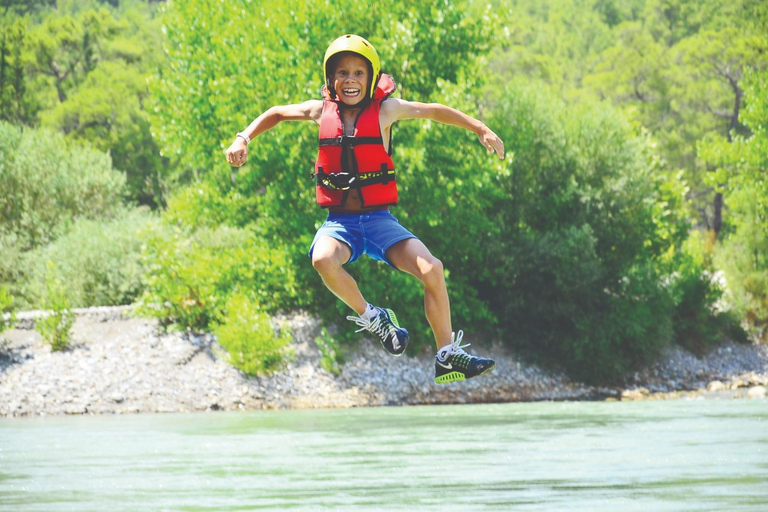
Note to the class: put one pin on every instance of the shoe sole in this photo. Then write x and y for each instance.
(458, 376)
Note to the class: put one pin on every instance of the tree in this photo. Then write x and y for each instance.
(17, 103)
(107, 111)
(741, 166)
(67, 48)
(21, 7)
(82, 70)
(714, 63)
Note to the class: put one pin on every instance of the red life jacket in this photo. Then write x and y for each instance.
(356, 161)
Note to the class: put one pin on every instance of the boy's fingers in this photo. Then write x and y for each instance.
(237, 158)
(500, 148)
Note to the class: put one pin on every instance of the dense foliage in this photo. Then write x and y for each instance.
(49, 189)
(81, 69)
(743, 175)
(565, 246)
(630, 212)
(100, 260)
(77, 152)
(217, 82)
(675, 66)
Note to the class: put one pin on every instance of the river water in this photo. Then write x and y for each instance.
(705, 455)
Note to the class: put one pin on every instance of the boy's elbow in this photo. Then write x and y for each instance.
(275, 114)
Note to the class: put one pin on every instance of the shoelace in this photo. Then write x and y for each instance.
(377, 327)
(456, 346)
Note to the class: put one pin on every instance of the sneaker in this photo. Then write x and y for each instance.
(459, 365)
(394, 339)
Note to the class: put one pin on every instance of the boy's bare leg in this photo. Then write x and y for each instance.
(412, 256)
(328, 256)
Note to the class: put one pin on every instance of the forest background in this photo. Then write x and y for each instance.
(631, 212)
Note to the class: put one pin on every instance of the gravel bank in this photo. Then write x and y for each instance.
(123, 364)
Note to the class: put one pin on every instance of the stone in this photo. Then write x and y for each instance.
(634, 394)
(126, 365)
(756, 392)
(738, 383)
(716, 385)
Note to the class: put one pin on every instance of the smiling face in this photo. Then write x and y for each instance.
(351, 78)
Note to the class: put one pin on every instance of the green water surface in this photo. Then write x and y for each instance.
(707, 455)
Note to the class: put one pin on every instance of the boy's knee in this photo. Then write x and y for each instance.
(432, 271)
(320, 263)
(324, 263)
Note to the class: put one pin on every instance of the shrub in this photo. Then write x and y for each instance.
(331, 358)
(55, 326)
(572, 273)
(702, 318)
(249, 338)
(191, 275)
(47, 182)
(100, 260)
(12, 266)
(7, 314)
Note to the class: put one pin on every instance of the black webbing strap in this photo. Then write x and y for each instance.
(350, 141)
(346, 181)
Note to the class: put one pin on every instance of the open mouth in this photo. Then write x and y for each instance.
(351, 92)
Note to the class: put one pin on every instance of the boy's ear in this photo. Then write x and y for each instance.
(330, 89)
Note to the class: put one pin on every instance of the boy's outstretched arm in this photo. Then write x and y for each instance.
(395, 109)
(311, 110)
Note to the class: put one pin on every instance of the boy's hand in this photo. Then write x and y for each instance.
(491, 141)
(237, 153)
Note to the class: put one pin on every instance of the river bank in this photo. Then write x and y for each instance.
(119, 363)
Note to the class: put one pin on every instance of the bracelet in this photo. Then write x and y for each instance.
(243, 136)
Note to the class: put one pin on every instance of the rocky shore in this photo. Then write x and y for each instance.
(120, 363)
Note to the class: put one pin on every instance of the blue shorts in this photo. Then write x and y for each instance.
(370, 233)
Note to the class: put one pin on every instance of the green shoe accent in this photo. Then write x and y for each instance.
(450, 377)
(393, 318)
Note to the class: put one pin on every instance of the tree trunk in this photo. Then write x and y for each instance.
(717, 221)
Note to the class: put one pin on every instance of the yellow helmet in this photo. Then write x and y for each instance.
(359, 46)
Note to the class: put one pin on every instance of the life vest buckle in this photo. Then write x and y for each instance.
(336, 181)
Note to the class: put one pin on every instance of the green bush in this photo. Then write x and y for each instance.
(331, 359)
(46, 183)
(573, 272)
(702, 316)
(192, 274)
(100, 260)
(245, 331)
(564, 248)
(7, 313)
(55, 327)
(12, 266)
(743, 258)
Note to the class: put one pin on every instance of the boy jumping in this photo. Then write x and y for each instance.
(355, 181)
